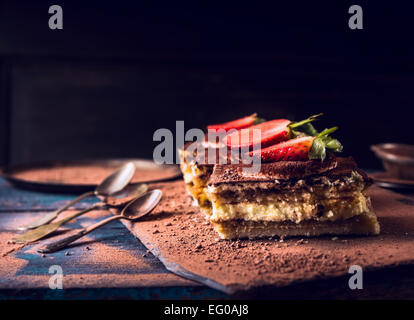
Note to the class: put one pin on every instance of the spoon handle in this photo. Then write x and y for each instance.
(52, 215)
(62, 243)
(44, 230)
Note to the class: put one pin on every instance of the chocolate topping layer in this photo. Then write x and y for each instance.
(210, 154)
(332, 167)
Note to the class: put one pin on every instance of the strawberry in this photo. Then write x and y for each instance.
(236, 124)
(301, 148)
(272, 132)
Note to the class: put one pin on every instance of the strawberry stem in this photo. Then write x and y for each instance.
(259, 120)
(308, 120)
(323, 141)
(327, 132)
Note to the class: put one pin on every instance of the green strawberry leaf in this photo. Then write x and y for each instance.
(304, 128)
(317, 150)
(308, 129)
(333, 144)
(259, 120)
(323, 141)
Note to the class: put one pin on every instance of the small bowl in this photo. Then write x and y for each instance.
(397, 159)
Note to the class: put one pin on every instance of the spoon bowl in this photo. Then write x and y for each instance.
(116, 181)
(112, 184)
(142, 205)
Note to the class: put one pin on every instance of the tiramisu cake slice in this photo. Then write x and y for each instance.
(194, 160)
(291, 198)
(297, 188)
(196, 173)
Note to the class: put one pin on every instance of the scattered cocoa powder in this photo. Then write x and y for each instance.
(243, 264)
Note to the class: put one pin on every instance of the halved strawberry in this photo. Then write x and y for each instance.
(271, 132)
(302, 148)
(236, 124)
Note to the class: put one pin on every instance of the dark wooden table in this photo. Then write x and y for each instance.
(112, 264)
(107, 264)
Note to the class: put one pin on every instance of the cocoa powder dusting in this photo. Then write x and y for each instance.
(184, 239)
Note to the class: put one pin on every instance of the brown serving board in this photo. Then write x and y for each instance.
(179, 235)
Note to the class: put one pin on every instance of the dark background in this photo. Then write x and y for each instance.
(120, 70)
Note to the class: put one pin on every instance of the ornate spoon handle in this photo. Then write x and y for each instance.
(52, 215)
(43, 231)
(62, 243)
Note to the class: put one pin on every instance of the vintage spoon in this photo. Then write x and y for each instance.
(110, 185)
(133, 211)
(110, 202)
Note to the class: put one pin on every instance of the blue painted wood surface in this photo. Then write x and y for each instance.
(13, 199)
(17, 204)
